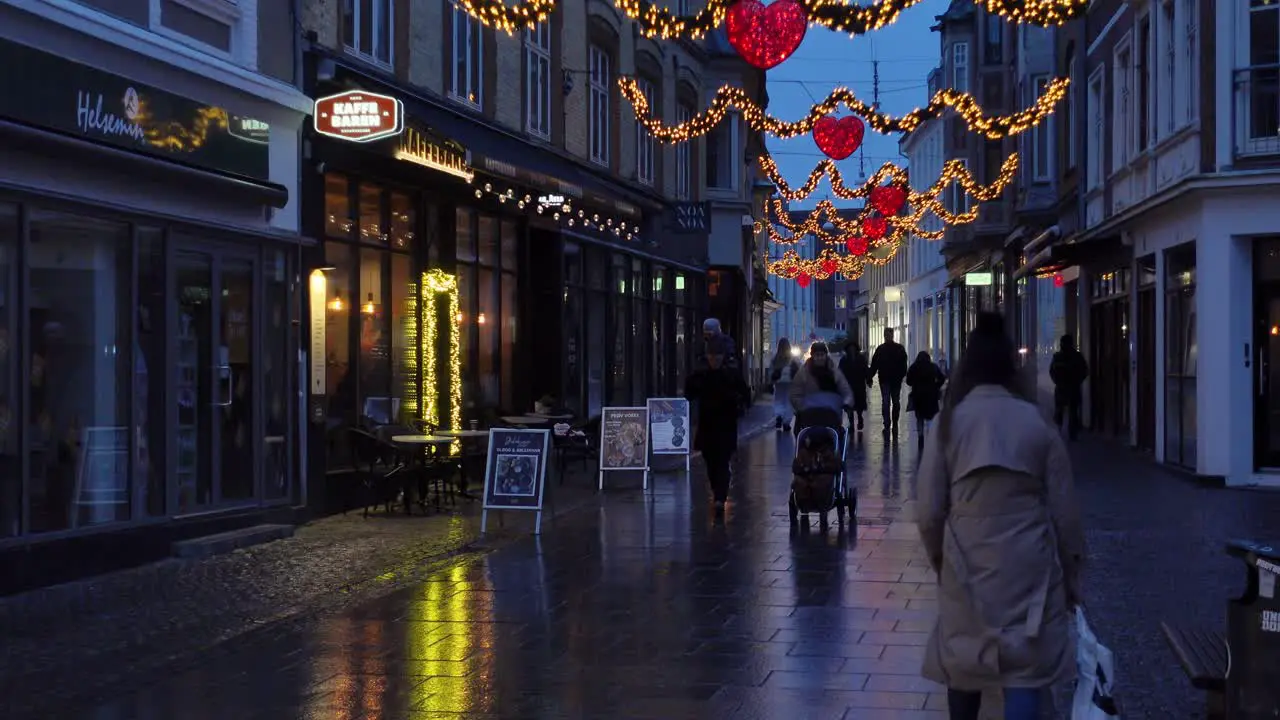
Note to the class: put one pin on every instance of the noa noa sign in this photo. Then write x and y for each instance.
(359, 116)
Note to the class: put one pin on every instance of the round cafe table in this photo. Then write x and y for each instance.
(551, 417)
(464, 435)
(433, 442)
(525, 420)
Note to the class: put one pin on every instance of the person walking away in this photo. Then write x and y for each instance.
(889, 361)
(1068, 370)
(999, 520)
(711, 330)
(783, 370)
(818, 385)
(720, 393)
(853, 366)
(925, 380)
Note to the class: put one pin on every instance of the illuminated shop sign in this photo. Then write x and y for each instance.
(249, 129)
(548, 200)
(417, 148)
(359, 116)
(977, 279)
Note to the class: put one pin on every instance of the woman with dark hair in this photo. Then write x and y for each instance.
(925, 380)
(818, 385)
(783, 371)
(998, 517)
(853, 366)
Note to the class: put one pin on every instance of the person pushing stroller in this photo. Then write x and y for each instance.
(818, 388)
(819, 395)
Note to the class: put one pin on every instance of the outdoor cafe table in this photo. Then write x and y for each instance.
(464, 435)
(434, 442)
(526, 420)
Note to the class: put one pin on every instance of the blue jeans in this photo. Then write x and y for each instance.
(1019, 704)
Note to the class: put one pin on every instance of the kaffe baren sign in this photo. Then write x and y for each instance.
(48, 91)
(359, 116)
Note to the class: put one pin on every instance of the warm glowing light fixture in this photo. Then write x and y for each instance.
(438, 282)
(369, 307)
(336, 304)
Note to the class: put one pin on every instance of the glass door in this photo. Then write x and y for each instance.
(1266, 383)
(215, 413)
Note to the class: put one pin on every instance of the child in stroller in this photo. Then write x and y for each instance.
(818, 484)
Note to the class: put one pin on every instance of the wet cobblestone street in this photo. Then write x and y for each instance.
(646, 606)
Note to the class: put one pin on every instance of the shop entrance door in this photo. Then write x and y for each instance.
(215, 415)
(1146, 341)
(1266, 375)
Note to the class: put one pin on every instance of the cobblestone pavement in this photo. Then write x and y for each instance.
(121, 629)
(648, 607)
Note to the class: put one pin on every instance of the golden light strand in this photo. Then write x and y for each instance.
(952, 171)
(656, 21)
(963, 104)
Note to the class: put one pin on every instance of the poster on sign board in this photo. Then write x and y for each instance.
(624, 440)
(515, 472)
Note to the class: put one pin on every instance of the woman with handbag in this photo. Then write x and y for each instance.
(783, 371)
(999, 520)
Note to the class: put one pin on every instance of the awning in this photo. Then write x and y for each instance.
(1057, 254)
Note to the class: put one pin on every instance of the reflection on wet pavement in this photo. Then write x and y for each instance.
(650, 607)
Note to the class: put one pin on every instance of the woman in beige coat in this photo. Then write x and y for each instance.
(998, 516)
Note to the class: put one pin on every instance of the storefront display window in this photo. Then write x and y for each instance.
(10, 460)
(1180, 356)
(640, 353)
(488, 292)
(371, 333)
(620, 329)
(78, 374)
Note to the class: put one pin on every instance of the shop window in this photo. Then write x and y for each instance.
(375, 340)
(339, 378)
(79, 372)
(466, 249)
(10, 390)
(404, 335)
(488, 240)
(372, 229)
(508, 340)
(1180, 356)
(620, 389)
(149, 405)
(510, 245)
(404, 222)
(337, 206)
(366, 29)
(277, 374)
(488, 326)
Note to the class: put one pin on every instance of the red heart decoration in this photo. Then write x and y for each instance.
(829, 267)
(888, 199)
(857, 245)
(837, 139)
(803, 280)
(875, 227)
(765, 36)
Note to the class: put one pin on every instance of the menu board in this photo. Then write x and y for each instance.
(516, 469)
(669, 426)
(624, 438)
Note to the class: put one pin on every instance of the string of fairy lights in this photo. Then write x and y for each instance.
(561, 209)
(656, 21)
(729, 98)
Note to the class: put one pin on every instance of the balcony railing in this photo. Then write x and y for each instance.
(1257, 111)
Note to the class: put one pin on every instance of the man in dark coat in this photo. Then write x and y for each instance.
(889, 362)
(719, 393)
(711, 330)
(1068, 370)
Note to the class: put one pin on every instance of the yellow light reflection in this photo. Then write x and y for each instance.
(449, 624)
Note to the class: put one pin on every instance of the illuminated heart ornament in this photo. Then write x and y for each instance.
(857, 245)
(765, 35)
(803, 280)
(829, 267)
(888, 199)
(875, 227)
(837, 139)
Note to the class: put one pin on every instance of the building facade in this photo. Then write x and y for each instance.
(149, 225)
(1183, 373)
(567, 250)
(796, 317)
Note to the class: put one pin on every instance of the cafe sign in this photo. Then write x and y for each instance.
(441, 155)
(358, 116)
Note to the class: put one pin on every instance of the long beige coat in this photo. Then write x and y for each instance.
(998, 516)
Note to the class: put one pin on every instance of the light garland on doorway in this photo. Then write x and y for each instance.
(434, 284)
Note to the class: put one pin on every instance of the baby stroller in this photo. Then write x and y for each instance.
(819, 484)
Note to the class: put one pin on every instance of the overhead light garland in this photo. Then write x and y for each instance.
(890, 174)
(963, 104)
(656, 21)
(561, 210)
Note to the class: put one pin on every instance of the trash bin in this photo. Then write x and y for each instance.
(1253, 635)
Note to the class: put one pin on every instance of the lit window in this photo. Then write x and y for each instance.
(468, 62)
(537, 88)
(366, 29)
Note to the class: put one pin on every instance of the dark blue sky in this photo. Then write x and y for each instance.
(907, 51)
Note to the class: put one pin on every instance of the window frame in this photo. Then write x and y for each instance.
(960, 67)
(474, 80)
(1122, 116)
(599, 104)
(537, 80)
(728, 126)
(683, 158)
(646, 145)
(371, 55)
(1095, 162)
(958, 201)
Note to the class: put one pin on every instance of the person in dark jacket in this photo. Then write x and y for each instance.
(1068, 370)
(719, 392)
(711, 330)
(854, 368)
(925, 380)
(889, 362)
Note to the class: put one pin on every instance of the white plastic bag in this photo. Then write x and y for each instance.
(1096, 680)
